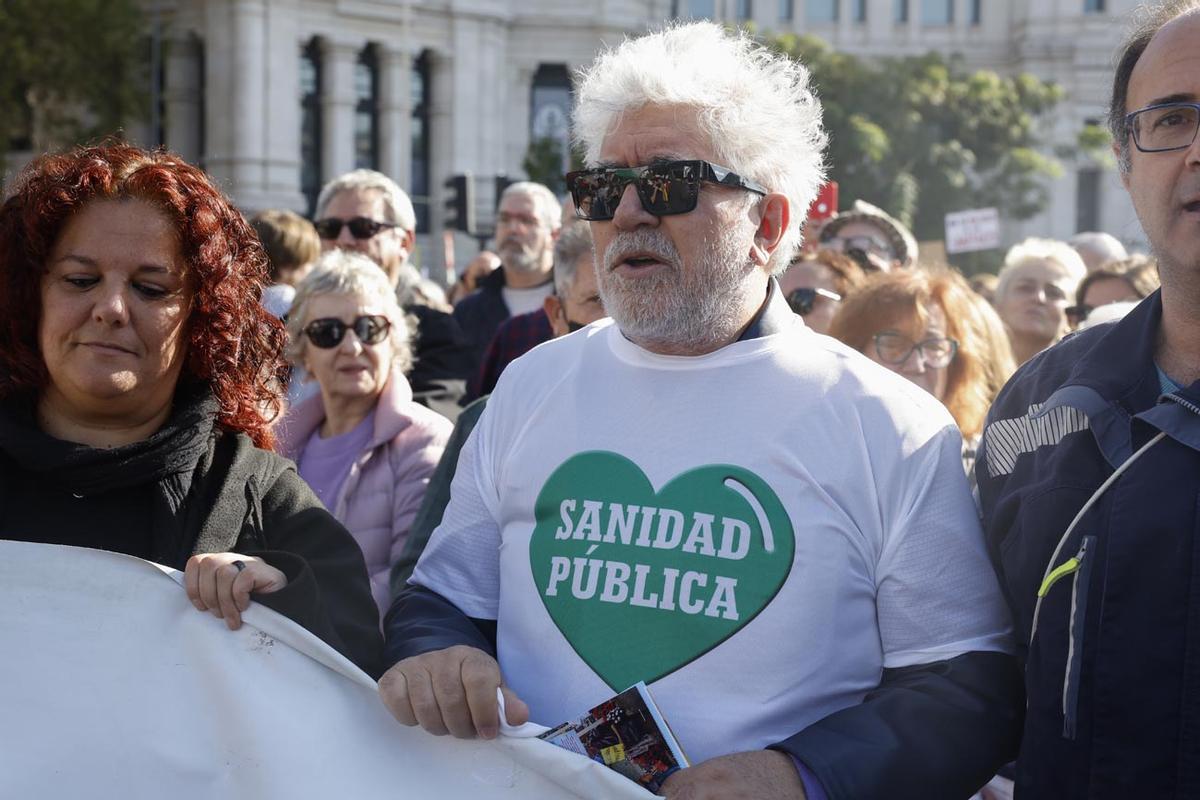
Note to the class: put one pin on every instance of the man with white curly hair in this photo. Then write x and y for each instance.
(770, 531)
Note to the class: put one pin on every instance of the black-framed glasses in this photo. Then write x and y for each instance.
(894, 349)
(1163, 127)
(1078, 313)
(665, 187)
(804, 299)
(360, 227)
(328, 332)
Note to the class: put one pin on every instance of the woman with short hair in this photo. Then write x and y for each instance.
(361, 442)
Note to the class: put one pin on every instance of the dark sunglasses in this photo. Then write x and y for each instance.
(360, 227)
(804, 299)
(1078, 313)
(665, 188)
(328, 332)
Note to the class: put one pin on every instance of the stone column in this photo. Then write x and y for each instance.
(182, 96)
(337, 106)
(395, 114)
(236, 97)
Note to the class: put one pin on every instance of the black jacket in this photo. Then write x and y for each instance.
(480, 313)
(191, 488)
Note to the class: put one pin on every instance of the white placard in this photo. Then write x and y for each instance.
(968, 231)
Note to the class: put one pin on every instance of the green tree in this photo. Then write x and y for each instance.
(70, 70)
(921, 136)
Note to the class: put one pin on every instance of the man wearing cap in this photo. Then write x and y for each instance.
(872, 237)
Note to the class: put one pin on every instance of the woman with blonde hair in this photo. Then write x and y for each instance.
(929, 326)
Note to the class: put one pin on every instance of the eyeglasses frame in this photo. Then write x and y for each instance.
(345, 223)
(915, 347)
(708, 173)
(386, 329)
(1129, 126)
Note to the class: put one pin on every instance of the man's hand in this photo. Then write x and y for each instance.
(761, 774)
(222, 583)
(450, 691)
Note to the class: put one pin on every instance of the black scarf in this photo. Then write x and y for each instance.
(174, 449)
(170, 459)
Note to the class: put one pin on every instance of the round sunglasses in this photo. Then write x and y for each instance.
(328, 332)
(360, 227)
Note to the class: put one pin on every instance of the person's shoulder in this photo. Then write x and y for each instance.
(1049, 370)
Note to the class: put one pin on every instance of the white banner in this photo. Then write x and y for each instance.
(968, 231)
(113, 685)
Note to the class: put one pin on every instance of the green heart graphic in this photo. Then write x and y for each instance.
(642, 583)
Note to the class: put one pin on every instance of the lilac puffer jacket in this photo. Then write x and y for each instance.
(383, 491)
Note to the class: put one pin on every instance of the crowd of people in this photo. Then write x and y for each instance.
(868, 528)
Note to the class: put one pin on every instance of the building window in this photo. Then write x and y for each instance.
(311, 168)
(1087, 199)
(976, 12)
(549, 122)
(787, 10)
(900, 11)
(860, 10)
(696, 9)
(744, 10)
(821, 11)
(421, 99)
(1093, 6)
(366, 109)
(935, 13)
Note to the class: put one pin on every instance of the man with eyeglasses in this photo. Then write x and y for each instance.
(1089, 475)
(367, 212)
(770, 531)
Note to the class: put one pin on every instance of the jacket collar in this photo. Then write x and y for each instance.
(391, 417)
(1115, 382)
(775, 316)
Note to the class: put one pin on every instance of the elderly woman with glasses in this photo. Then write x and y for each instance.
(363, 445)
(929, 326)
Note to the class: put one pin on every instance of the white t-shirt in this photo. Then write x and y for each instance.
(523, 301)
(756, 533)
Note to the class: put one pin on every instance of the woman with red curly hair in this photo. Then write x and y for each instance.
(138, 376)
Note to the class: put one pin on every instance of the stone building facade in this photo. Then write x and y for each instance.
(273, 97)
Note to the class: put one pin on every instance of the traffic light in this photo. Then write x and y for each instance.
(502, 183)
(460, 203)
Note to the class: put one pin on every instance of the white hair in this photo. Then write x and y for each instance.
(349, 273)
(573, 243)
(756, 107)
(1033, 249)
(396, 204)
(1104, 246)
(545, 204)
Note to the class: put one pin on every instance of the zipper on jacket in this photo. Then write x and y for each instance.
(1189, 405)
(1075, 635)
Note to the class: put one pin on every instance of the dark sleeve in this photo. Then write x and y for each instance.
(421, 620)
(437, 497)
(929, 731)
(328, 591)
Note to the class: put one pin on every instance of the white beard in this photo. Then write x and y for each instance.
(694, 309)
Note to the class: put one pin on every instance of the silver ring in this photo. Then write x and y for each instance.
(241, 565)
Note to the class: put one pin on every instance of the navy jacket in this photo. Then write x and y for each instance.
(1113, 672)
(479, 314)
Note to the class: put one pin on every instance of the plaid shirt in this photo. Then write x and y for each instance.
(515, 337)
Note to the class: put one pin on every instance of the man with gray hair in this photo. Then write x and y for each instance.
(364, 211)
(527, 223)
(574, 303)
(1089, 473)
(1097, 248)
(702, 494)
